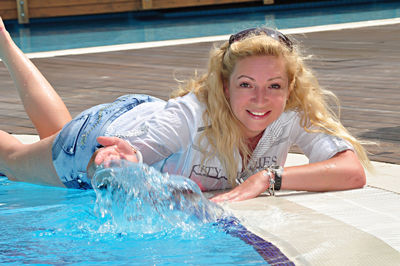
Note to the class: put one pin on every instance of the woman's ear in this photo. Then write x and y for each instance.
(226, 89)
(291, 88)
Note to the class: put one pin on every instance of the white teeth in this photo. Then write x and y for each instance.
(257, 113)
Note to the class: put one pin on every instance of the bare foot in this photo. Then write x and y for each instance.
(4, 37)
(1, 24)
(3, 30)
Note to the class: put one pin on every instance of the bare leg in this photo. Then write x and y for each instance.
(43, 105)
(30, 163)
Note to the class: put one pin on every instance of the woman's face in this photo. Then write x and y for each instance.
(257, 91)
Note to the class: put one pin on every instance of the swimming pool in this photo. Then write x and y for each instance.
(45, 218)
(135, 215)
(92, 31)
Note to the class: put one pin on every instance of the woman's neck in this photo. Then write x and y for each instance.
(253, 141)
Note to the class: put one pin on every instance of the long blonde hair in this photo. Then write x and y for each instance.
(224, 132)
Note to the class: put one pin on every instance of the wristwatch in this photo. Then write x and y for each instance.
(277, 170)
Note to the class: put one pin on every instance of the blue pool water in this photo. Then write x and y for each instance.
(134, 215)
(133, 27)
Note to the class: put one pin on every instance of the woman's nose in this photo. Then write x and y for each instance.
(260, 94)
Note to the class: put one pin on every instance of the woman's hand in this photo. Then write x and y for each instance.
(114, 149)
(251, 188)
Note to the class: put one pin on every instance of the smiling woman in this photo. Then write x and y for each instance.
(235, 123)
(257, 92)
(288, 92)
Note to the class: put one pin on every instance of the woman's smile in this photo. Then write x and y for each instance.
(259, 115)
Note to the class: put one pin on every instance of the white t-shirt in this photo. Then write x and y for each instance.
(167, 135)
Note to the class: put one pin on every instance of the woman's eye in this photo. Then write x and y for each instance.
(275, 86)
(245, 85)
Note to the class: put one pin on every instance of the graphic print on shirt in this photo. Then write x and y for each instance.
(264, 161)
(206, 175)
(207, 171)
(209, 177)
(255, 167)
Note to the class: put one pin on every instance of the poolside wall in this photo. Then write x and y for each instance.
(25, 9)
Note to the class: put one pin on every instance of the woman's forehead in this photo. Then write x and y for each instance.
(259, 63)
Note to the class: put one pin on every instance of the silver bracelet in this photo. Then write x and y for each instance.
(271, 181)
(275, 178)
(139, 156)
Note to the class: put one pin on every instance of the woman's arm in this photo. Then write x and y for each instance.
(342, 171)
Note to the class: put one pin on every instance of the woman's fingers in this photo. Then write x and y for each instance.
(228, 196)
(121, 144)
(102, 155)
(114, 149)
(249, 189)
(108, 141)
(232, 196)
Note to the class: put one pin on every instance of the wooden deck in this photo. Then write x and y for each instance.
(362, 66)
(25, 9)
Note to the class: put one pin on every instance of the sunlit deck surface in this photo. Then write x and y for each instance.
(362, 66)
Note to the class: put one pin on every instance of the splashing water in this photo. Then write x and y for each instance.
(141, 217)
(136, 198)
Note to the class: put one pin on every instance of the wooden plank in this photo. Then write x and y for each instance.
(8, 9)
(8, 4)
(23, 13)
(268, 2)
(147, 4)
(65, 3)
(164, 4)
(9, 14)
(54, 8)
(83, 9)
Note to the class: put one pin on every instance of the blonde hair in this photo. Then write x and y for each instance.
(306, 97)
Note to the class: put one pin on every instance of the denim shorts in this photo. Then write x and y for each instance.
(76, 142)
